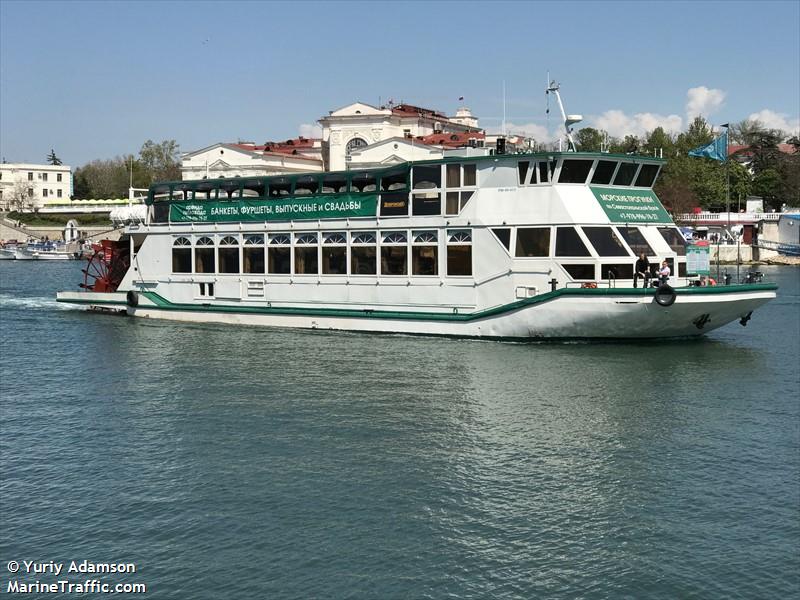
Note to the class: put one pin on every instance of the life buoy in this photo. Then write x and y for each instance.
(665, 295)
(132, 299)
(589, 285)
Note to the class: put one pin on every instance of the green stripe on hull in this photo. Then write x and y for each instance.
(164, 304)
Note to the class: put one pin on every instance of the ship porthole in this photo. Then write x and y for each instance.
(665, 295)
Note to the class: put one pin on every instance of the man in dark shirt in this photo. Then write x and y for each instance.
(642, 269)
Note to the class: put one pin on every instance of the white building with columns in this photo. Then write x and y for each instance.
(359, 125)
(28, 186)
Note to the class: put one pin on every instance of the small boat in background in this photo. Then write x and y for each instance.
(48, 250)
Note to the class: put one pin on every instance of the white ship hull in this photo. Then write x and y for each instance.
(565, 314)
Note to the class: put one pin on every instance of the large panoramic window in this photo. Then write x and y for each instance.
(364, 182)
(459, 253)
(625, 173)
(335, 183)
(574, 171)
(604, 171)
(280, 186)
(182, 255)
(647, 176)
(334, 253)
(605, 241)
(228, 255)
(616, 271)
(424, 253)
(305, 254)
(635, 240)
(674, 238)
(363, 254)
(427, 177)
(279, 254)
(254, 254)
(394, 180)
(569, 243)
(306, 185)
(204, 256)
(532, 241)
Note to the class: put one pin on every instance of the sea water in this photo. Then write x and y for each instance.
(242, 462)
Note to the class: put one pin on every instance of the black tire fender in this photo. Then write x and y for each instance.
(665, 295)
(132, 299)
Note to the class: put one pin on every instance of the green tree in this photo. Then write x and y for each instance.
(769, 185)
(589, 139)
(659, 142)
(160, 161)
(52, 159)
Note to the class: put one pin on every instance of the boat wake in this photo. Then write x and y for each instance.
(10, 301)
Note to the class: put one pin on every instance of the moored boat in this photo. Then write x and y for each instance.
(509, 246)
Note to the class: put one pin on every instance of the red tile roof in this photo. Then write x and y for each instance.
(409, 110)
(452, 140)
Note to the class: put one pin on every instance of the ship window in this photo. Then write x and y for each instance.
(605, 241)
(569, 243)
(580, 272)
(681, 269)
(306, 239)
(305, 254)
(306, 185)
(363, 254)
(504, 235)
(230, 188)
(459, 253)
(429, 203)
(182, 191)
(279, 239)
(616, 271)
(335, 238)
(205, 190)
(279, 257)
(647, 175)
(253, 187)
(427, 177)
(574, 171)
(394, 204)
(543, 173)
(522, 171)
(451, 203)
(334, 184)
(636, 240)
(469, 175)
(364, 182)
(182, 255)
(280, 186)
(394, 180)
(334, 254)
(394, 254)
(603, 172)
(424, 253)
(674, 238)
(453, 175)
(204, 256)
(532, 241)
(228, 255)
(625, 173)
(253, 254)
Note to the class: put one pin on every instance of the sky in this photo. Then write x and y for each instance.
(94, 80)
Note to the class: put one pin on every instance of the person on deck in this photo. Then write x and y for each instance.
(642, 269)
(664, 272)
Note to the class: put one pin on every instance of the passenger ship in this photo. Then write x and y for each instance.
(509, 246)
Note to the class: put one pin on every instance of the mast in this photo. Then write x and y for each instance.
(567, 119)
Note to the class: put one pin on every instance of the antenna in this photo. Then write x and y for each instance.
(504, 107)
(568, 119)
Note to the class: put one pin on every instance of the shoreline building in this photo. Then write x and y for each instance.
(30, 186)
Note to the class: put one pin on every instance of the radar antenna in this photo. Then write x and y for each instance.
(569, 120)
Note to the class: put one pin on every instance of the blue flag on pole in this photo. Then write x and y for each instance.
(718, 149)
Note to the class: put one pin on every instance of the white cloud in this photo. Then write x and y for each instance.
(703, 101)
(310, 130)
(618, 124)
(534, 130)
(774, 120)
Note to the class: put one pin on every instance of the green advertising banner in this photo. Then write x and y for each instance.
(698, 259)
(215, 211)
(631, 206)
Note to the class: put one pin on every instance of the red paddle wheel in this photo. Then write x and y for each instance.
(106, 266)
